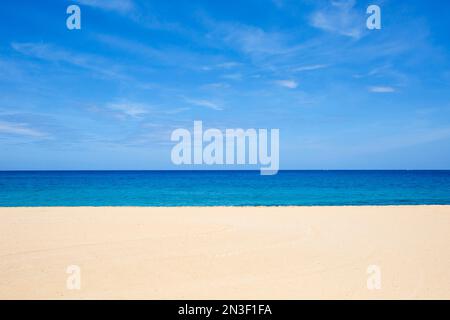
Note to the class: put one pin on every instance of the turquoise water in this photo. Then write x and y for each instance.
(224, 188)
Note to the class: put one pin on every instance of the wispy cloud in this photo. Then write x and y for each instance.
(223, 65)
(310, 67)
(278, 3)
(176, 111)
(167, 56)
(48, 52)
(134, 110)
(139, 12)
(130, 46)
(53, 53)
(339, 17)
(381, 89)
(204, 103)
(216, 85)
(291, 84)
(409, 138)
(120, 6)
(386, 74)
(248, 39)
(21, 129)
(232, 76)
(228, 65)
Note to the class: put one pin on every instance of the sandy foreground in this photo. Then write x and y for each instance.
(226, 253)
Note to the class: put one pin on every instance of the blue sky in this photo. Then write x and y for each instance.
(109, 95)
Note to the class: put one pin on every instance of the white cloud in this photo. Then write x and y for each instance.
(341, 18)
(291, 84)
(204, 103)
(20, 129)
(381, 89)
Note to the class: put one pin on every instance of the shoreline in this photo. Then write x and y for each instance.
(240, 206)
(295, 252)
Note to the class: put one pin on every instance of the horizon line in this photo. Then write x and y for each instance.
(204, 170)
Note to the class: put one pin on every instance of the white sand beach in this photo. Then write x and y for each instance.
(225, 252)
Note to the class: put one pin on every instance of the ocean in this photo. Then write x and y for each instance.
(222, 188)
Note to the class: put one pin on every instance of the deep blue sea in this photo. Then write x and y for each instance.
(222, 188)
